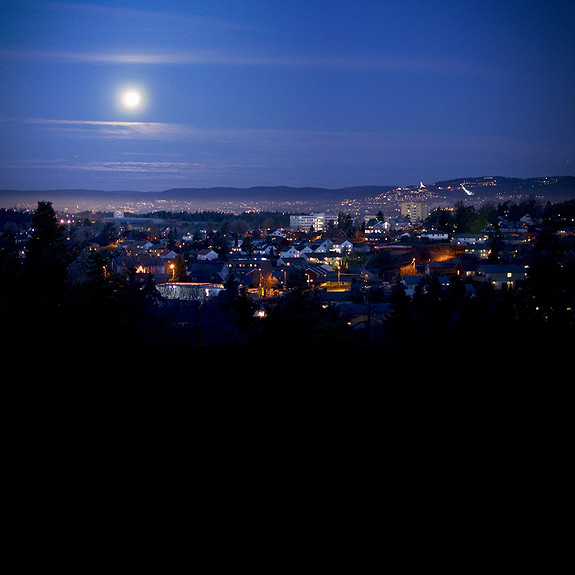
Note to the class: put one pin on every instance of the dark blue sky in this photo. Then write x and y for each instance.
(267, 92)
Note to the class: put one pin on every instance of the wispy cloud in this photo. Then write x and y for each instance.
(142, 175)
(183, 169)
(151, 131)
(140, 17)
(402, 64)
(214, 156)
(315, 144)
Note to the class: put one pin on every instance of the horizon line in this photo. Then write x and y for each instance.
(392, 186)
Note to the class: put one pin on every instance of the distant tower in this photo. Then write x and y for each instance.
(118, 214)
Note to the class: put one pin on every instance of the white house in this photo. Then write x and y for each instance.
(289, 252)
(435, 235)
(168, 255)
(468, 239)
(264, 248)
(527, 219)
(303, 247)
(345, 246)
(207, 255)
(501, 274)
(399, 224)
(322, 246)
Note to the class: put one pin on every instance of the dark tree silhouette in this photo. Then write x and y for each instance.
(46, 259)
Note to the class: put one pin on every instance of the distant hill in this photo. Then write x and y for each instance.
(553, 188)
(476, 189)
(209, 197)
(281, 193)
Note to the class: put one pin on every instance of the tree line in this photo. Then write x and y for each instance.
(463, 218)
(254, 219)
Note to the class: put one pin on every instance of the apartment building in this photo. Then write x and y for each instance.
(319, 221)
(414, 211)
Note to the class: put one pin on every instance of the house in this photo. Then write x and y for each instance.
(129, 246)
(208, 271)
(527, 219)
(140, 263)
(264, 248)
(207, 255)
(361, 247)
(446, 267)
(361, 273)
(376, 230)
(345, 246)
(315, 274)
(154, 248)
(500, 275)
(303, 247)
(292, 262)
(241, 266)
(399, 224)
(289, 252)
(377, 227)
(321, 246)
(468, 239)
(507, 226)
(411, 282)
(168, 255)
(435, 235)
(479, 251)
(466, 268)
(331, 258)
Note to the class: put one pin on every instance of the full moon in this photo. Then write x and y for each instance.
(131, 99)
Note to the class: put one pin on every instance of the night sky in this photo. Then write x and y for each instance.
(269, 92)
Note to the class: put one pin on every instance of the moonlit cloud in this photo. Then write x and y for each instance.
(221, 58)
(150, 131)
(151, 20)
(182, 154)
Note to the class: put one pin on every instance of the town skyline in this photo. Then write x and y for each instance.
(358, 200)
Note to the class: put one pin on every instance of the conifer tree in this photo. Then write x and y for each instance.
(46, 260)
